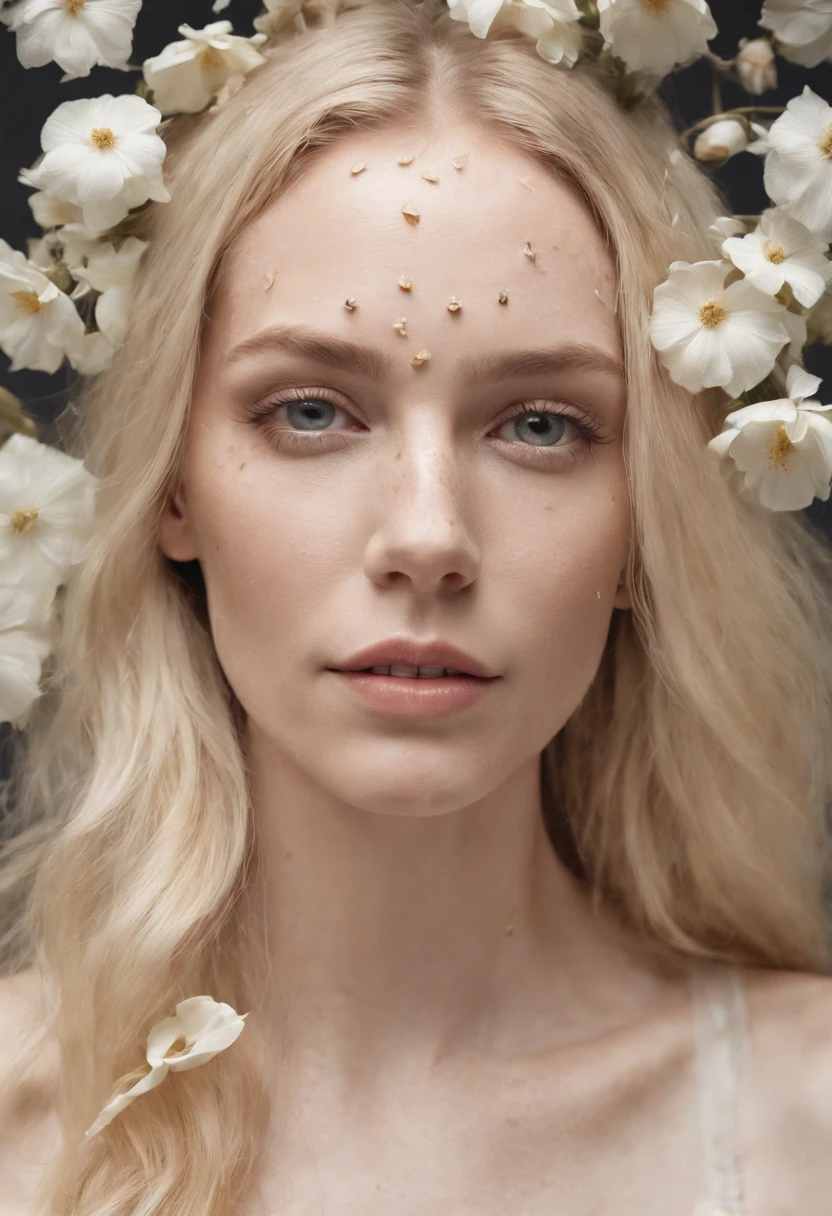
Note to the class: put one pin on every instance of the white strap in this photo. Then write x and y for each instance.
(722, 1043)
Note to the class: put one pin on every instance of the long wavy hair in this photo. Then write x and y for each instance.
(688, 790)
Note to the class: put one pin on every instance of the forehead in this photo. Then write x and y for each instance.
(336, 234)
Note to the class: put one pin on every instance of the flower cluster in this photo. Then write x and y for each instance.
(728, 322)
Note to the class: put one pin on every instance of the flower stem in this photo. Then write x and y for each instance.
(716, 91)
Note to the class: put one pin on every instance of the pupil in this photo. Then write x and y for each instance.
(544, 426)
(313, 409)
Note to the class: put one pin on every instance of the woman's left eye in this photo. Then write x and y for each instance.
(541, 430)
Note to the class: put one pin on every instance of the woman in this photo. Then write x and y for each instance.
(545, 937)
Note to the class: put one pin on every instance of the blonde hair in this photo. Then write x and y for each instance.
(688, 789)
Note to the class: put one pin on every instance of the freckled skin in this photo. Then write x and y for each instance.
(426, 528)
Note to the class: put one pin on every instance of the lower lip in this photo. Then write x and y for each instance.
(408, 697)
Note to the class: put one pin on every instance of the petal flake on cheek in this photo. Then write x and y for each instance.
(422, 357)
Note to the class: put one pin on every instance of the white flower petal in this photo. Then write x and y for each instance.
(118, 1104)
(801, 384)
(22, 653)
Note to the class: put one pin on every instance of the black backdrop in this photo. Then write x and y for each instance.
(27, 98)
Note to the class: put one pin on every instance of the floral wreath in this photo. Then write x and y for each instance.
(726, 323)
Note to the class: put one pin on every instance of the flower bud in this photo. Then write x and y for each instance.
(756, 66)
(720, 141)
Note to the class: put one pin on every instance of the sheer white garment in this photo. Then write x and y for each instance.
(721, 1026)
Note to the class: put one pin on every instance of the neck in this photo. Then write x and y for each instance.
(395, 942)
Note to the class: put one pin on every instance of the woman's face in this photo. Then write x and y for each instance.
(337, 498)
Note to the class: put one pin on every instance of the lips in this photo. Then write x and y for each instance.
(402, 652)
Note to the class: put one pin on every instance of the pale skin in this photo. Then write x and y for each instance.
(455, 1030)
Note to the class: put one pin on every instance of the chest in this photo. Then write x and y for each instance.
(532, 1146)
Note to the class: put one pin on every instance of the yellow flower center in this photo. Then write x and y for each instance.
(177, 1046)
(103, 138)
(27, 302)
(825, 143)
(656, 7)
(211, 58)
(775, 253)
(24, 518)
(73, 7)
(779, 451)
(713, 313)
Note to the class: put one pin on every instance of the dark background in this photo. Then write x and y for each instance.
(27, 98)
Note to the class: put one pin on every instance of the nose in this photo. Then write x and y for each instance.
(422, 535)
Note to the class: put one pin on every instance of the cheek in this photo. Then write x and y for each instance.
(271, 558)
(563, 587)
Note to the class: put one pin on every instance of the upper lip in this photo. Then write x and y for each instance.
(405, 653)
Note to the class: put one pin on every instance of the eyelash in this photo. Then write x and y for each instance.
(589, 429)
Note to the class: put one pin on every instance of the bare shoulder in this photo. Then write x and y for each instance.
(788, 1108)
(29, 1127)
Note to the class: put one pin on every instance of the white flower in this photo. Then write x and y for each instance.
(725, 226)
(780, 452)
(819, 322)
(798, 175)
(720, 141)
(280, 15)
(199, 1030)
(24, 644)
(554, 23)
(220, 6)
(782, 251)
(43, 252)
(655, 35)
(803, 29)
(51, 212)
(757, 66)
(39, 324)
(77, 244)
(47, 507)
(710, 335)
(187, 75)
(77, 34)
(104, 155)
(112, 273)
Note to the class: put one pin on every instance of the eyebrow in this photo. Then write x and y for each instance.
(375, 364)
